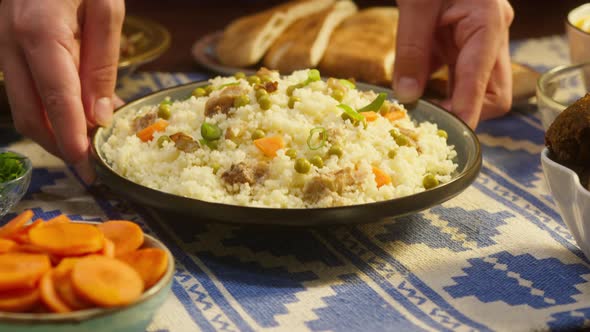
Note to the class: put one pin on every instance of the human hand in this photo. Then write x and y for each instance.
(471, 37)
(59, 59)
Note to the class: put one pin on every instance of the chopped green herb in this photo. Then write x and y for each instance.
(347, 83)
(375, 105)
(11, 166)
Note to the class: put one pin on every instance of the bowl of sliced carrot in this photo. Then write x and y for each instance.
(64, 275)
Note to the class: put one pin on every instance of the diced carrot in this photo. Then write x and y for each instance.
(370, 116)
(49, 294)
(127, 236)
(67, 239)
(22, 235)
(62, 218)
(108, 249)
(381, 177)
(106, 282)
(395, 115)
(270, 145)
(6, 245)
(147, 134)
(20, 271)
(150, 263)
(15, 224)
(19, 300)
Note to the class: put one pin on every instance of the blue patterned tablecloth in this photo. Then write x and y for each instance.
(497, 257)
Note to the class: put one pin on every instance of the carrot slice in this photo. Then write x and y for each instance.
(15, 224)
(150, 263)
(19, 300)
(22, 235)
(395, 115)
(62, 282)
(108, 249)
(106, 282)
(18, 271)
(370, 116)
(49, 295)
(147, 134)
(126, 235)
(269, 145)
(62, 218)
(67, 239)
(6, 245)
(381, 177)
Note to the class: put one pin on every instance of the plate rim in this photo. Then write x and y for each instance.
(469, 174)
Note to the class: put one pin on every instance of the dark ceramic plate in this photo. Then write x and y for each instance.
(463, 138)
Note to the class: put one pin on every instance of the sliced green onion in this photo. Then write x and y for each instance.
(351, 112)
(347, 83)
(375, 105)
(228, 84)
(322, 135)
(210, 132)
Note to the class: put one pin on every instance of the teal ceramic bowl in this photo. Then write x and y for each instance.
(134, 317)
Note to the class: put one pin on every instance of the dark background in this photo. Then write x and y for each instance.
(188, 20)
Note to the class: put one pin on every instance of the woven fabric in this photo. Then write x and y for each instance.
(497, 257)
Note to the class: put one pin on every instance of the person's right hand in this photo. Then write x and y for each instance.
(59, 59)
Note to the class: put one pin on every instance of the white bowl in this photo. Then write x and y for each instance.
(572, 199)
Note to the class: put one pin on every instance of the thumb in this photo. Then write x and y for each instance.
(415, 36)
(101, 36)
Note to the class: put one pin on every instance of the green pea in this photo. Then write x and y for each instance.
(239, 75)
(302, 166)
(253, 79)
(429, 181)
(317, 161)
(336, 150)
(338, 94)
(164, 111)
(293, 100)
(261, 93)
(313, 75)
(215, 167)
(265, 102)
(258, 133)
(265, 78)
(402, 140)
(391, 154)
(209, 89)
(291, 153)
(399, 138)
(199, 92)
(210, 132)
(163, 140)
(241, 100)
(442, 134)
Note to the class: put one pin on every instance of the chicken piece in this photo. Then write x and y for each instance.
(184, 142)
(245, 173)
(222, 102)
(144, 121)
(328, 184)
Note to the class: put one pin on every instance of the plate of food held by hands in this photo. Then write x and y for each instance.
(293, 150)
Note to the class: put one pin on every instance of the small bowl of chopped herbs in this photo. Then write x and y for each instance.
(15, 177)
